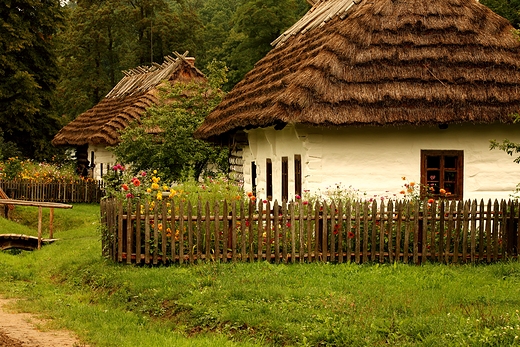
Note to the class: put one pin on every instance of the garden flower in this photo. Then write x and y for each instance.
(143, 174)
(129, 195)
(442, 191)
(136, 182)
(430, 201)
(250, 194)
(148, 190)
(159, 196)
(125, 186)
(351, 235)
(155, 186)
(297, 197)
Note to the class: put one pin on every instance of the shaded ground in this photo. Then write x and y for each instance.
(22, 330)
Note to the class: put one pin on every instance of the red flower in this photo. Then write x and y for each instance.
(124, 186)
(350, 235)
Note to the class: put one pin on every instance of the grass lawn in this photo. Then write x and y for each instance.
(257, 304)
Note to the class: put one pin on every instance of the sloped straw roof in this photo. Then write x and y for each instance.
(380, 62)
(126, 102)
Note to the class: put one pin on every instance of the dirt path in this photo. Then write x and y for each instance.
(21, 330)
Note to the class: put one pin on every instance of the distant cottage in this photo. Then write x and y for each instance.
(92, 131)
(362, 93)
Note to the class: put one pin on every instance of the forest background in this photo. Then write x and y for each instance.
(60, 58)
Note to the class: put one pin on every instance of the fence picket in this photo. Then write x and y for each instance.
(147, 232)
(174, 234)
(389, 228)
(333, 223)
(129, 232)
(189, 213)
(465, 231)
(339, 221)
(489, 228)
(373, 243)
(348, 230)
(301, 231)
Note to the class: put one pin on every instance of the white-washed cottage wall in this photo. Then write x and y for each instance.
(373, 160)
(102, 158)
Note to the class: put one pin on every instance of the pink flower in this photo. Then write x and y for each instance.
(265, 201)
(143, 174)
(305, 202)
(297, 197)
(129, 195)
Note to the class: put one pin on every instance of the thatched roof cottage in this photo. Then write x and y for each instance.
(92, 131)
(361, 93)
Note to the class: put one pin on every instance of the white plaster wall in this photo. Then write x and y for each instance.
(103, 160)
(373, 159)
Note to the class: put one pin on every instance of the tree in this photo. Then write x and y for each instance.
(164, 141)
(509, 9)
(240, 32)
(28, 74)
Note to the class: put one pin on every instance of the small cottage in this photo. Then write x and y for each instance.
(362, 93)
(99, 127)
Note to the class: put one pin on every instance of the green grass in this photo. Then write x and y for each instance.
(257, 304)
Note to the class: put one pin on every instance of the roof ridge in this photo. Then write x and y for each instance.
(318, 15)
(142, 78)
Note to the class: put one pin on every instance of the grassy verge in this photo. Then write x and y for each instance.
(256, 304)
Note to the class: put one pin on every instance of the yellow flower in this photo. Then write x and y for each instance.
(159, 196)
(155, 172)
(165, 188)
(148, 190)
(155, 186)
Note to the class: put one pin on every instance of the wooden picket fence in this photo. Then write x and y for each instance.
(344, 231)
(64, 192)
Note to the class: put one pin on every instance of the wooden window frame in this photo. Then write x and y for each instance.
(269, 178)
(285, 178)
(298, 174)
(429, 174)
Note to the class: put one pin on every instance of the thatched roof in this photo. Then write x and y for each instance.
(380, 62)
(126, 102)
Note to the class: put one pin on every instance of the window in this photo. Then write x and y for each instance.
(253, 177)
(443, 170)
(298, 174)
(285, 178)
(269, 178)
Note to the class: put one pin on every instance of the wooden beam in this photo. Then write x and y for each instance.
(33, 203)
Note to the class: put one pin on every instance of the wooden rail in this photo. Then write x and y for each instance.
(40, 205)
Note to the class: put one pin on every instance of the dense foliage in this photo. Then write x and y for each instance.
(28, 75)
